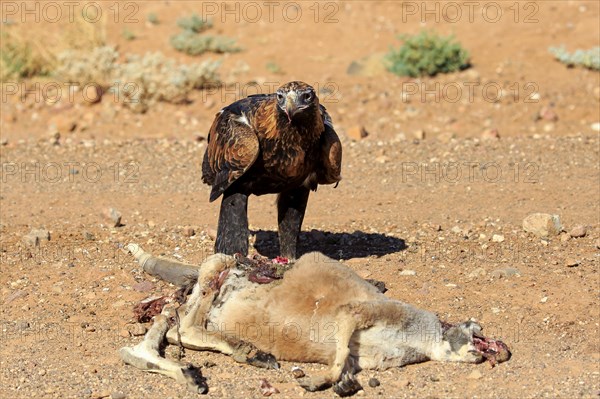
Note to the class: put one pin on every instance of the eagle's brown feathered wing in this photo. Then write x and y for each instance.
(234, 146)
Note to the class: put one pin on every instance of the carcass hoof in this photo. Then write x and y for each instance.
(263, 360)
(348, 385)
(194, 380)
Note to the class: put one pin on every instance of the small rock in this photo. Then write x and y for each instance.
(456, 230)
(595, 127)
(490, 134)
(42, 372)
(544, 299)
(497, 238)
(297, 372)
(62, 124)
(578, 231)
(357, 133)
(598, 243)
(189, 231)
(479, 272)
(564, 237)
(212, 234)
(475, 375)
(419, 134)
(547, 114)
(374, 382)
(445, 137)
(124, 333)
(381, 159)
(505, 272)
(542, 224)
(90, 329)
(3, 141)
(31, 241)
(118, 395)
(572, 263)
(15, 295)
(138, 329)
(143, 286)
(100, 395)
(88, 236)
(113, 215)
(408, 273)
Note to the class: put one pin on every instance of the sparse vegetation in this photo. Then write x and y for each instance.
(192, 42)
(273, 67)
(427, 54)
(140, 81)
(128, 34)
(152, 18)
(585, 58)
(31, 50)
(194, 23)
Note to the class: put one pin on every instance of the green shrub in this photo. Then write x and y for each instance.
(586, 58)
(152, 18)
(194, 23)
(140, 81)
(427, 54)
(191, 42)
(194, 44)
(128, 35)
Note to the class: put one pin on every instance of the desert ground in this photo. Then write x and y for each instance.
(432, 200)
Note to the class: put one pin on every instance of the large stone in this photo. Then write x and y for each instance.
(542, 224)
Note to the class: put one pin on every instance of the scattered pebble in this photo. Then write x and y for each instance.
(189, 231)
(505, 272)
(479, 272)
(113, 215)
(138, 329)
(374, 382)
(544, 299)
(357, 133)
(578, 231)
(595, 127)
(542, 224)
(490, 134)
(408, 273)
(118, 395)
(124, 333)
(297, 372)
(88, 236)
(497, 238)
(143, 286)
(475, 375)
(572, 263)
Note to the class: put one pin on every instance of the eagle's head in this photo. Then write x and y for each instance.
(297, 101)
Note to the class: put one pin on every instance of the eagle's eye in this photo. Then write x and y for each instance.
(280, 97)
(306, 97)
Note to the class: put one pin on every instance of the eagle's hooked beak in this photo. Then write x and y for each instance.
(291, 107)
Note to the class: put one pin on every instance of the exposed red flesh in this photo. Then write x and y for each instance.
(492, 350)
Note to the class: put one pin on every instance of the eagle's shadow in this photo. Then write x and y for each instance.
(339, 246)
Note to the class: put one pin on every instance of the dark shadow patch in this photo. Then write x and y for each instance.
(339, 246)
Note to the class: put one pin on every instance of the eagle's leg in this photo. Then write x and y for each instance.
(291, 206)
(232, 233)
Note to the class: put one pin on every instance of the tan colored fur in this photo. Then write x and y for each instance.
(321, 311)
